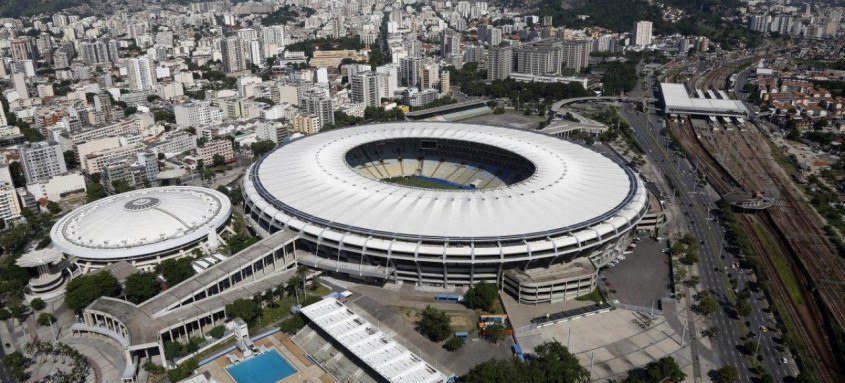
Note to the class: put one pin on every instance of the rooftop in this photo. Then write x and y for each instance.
(389, 359)
(572, 187)
(141, 223)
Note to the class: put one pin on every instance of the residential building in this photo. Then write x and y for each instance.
(42, 160)
(232, 50)
(499, 62)
(365, 89)
(319, 105)
(576, 54)
(194, 114)
(141, 75)
(641, 33)
(213, 148)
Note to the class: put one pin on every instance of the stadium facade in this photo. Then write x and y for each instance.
(449, 204)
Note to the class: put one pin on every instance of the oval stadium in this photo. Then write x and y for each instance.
(448, 204)
(142, 227)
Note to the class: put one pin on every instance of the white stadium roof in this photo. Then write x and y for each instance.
(572, 187)
(677, 100)
(391, 360)
(141, 223)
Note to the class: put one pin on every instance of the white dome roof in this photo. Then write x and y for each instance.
(572, 186)
(141, 222)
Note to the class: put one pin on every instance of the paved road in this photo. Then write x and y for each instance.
(697, 203)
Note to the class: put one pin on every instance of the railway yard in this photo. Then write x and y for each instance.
(804, 270)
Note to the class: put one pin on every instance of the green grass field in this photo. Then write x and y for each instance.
(417, 182)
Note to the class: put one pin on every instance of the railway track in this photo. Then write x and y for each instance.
(733, 159)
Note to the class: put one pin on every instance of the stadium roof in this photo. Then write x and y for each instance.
(677, 100)
(141, 223)
(572, 187)
(391, 360)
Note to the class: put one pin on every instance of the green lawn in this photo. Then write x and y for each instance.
(270, 316)
(417, 182)
(781, 267)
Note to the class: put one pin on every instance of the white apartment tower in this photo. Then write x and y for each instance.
(42, 160)
(641, 34)
(141, 71)
(365, 89)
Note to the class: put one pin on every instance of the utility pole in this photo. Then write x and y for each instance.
(591, 364)
(569, 340)
(684, 333)
(757, 347)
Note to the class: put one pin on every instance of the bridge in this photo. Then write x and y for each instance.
(558, 105)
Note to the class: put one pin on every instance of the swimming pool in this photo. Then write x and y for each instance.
(269, 367)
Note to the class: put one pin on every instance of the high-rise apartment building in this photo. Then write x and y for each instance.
(409, 70)
(140, 73)
(320, 105)
(539, 58)
(232, 50)
(365, 88)
(194, 114)
(102, 104)
(450, 43)
(499, 62)
(42, 160)
(641, 33)
(576, 54)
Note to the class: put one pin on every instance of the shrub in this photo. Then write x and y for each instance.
(217, 331)
(454, 344)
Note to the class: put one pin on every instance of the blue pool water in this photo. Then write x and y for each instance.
(269, 367)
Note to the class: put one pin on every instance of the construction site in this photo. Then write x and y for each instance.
(801, 268)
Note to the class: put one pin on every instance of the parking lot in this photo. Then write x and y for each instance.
(642, 278)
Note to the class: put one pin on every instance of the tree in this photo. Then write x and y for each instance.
(706, 304)
(743, 308)
(454, 343)
(83, 290)
(120, 186)
(726, 374)
(657, 371)
(217, 331)
(245, 309)
(5, 314)
(18, 309)
(240, 241)
(495, 332)
(293, 324)
(553, 363)
(16, 363)
(259, 148)
(141, 286)
(434, 324)
(482, 296)
(94, 191)
(14, 239)
(45, 319)
(219, 160)
(53, 207)
(175, 271)
(163, 115)
(37, 304)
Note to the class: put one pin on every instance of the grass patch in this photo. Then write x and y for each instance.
(418, 182)
(594, 296)
(780, 266)
(463, 320)
(271, 316)
(215, 349)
